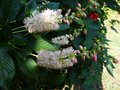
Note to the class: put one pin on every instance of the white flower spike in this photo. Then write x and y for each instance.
(47, 20)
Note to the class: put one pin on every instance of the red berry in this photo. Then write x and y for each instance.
(93, 16)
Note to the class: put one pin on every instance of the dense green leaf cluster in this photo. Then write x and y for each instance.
(18, 48)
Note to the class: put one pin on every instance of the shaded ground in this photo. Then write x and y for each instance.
(109, 82)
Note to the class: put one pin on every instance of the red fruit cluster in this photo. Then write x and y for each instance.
(93, 16)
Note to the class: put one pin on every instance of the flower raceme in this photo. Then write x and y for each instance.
(57, 59)
(62, 40)
(47, 20)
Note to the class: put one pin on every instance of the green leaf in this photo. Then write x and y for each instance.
(113, 5)
(109, 67)
(77, 41)
(53, 77)
(80, 21)
(88, 43)
(7, 69)
(73, 77)
(28, 67)
(19, 40)
(92, 25)
(10, 9)
(31, 7)
(64, 26)
(70, 3)
(53, 5)
(41, 43)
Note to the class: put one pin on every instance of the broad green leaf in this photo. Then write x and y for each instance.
(19, 40)
(53, 5)
(10, 9)
(92, 25)
(31, 7)
(41, 43)
(7, 69)
(28, 67)
(64, 26)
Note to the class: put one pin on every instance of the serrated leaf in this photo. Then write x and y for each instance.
(10, 9)
(28, 67)
(41, 43)
(53, 5)
(7, 69)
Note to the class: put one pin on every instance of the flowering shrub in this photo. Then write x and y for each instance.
(55, 44)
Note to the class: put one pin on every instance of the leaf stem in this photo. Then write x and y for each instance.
(34, 55)
(18, 28)
(19, 31)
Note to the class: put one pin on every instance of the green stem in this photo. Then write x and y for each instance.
(34, 55)
(18, 28)
(19, 31)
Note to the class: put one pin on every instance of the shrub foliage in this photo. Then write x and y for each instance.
(83, 19)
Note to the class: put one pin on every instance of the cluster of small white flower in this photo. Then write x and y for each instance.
(47, 20)
(57, 59)
(62, 40)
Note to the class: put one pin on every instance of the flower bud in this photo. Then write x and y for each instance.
(79, 5)
(67, 21)
(83, 57)
(116, 61)
(81, 47)
(74, 60)
(94, 57)
(77, 51)
(85, 32)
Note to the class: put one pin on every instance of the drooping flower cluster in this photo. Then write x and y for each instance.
(47, 20)
(62, 40)
(57, 59)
